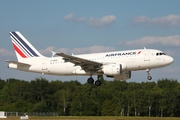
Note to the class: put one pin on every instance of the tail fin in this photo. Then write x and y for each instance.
(22, 47)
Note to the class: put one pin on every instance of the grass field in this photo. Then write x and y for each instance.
(95, 118)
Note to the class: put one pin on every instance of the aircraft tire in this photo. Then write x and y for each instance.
(90, 80)
(149, 78)
(98, 83)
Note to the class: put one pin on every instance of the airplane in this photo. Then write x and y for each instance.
(115, 64)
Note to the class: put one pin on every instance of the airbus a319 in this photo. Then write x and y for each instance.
(116, 64)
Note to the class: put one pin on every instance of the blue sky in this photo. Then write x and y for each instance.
(82, 26)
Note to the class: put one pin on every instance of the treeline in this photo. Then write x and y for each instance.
(112, 98)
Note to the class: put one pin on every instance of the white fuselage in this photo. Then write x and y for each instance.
(140, 59)
(116, 64)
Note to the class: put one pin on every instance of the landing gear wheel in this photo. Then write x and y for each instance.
(148, 73)
(90, 80)
(98, 83)
(149, 77)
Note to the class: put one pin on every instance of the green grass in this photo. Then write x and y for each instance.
(94, 118)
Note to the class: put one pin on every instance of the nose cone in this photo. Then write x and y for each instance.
(169, 60)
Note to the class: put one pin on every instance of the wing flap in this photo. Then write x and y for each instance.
(85, 64)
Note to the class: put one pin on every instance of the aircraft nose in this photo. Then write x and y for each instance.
(170, 60)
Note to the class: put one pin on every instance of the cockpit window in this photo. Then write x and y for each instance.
(160, 54)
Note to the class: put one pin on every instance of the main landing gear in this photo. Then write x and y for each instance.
(90, 80)
(148, 73)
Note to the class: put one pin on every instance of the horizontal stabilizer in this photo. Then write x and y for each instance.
(18, 63)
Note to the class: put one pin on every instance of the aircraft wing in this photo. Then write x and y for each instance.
(86, 65)
(18, 63)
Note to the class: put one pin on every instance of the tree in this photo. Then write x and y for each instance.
(107, 108)
(73, 98)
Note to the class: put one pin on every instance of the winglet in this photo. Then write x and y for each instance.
(53, 53)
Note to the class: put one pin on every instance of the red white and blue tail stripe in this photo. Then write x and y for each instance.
(22, 47)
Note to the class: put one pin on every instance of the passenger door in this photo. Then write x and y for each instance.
(146, 55)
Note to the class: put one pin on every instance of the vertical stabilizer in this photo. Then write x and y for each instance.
(22, 47)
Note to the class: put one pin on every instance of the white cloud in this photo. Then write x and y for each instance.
(5, 52)
(105, 21)
(82, 19)
(70, 17)
(150, 40)
(92, 49)
(48, 50)
(166, 21)
(63, 50)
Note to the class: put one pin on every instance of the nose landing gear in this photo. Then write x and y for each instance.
(149, 77)
(148, 73)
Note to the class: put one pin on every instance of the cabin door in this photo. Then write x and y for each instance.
(146, 55)
(44, 64)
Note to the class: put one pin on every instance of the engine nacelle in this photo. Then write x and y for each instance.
(123, 76)
(114, 69)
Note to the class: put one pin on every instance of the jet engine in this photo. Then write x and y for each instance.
(117, 71)
(114, 69)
